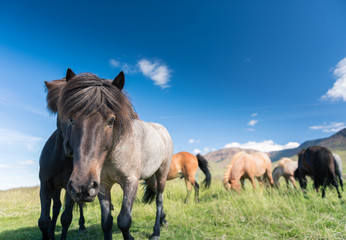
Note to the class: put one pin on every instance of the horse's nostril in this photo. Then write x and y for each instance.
(92, 192)
(95, 185)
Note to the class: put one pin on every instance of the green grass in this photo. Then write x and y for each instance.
(267, 214)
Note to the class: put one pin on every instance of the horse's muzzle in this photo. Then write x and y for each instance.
(83, 193)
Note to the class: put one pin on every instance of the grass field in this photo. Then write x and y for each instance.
(267, 214)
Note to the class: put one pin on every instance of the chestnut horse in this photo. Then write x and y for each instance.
(318, 163)
(56, 165)
(184, 165)
(285, 168)
(251, 166)
(111, 145)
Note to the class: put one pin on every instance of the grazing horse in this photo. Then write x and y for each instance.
(285, 168)
(318, 163)
(56, 166)
(111, 145)
(184, 165)
(338, 169)
(244, 165)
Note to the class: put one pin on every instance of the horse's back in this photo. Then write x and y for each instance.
(156, 147)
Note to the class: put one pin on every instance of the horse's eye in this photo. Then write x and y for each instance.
(70, 121)
(111, 122)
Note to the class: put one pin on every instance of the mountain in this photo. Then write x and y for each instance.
(337, 141)
(334, 142)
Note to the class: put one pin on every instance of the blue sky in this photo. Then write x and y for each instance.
(260, 74)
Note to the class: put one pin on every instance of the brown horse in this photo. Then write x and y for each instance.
(318, 163)
(184, 165)
(251, 166)
(285, 168)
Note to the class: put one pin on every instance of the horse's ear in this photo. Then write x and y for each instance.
(69, 74)
(119, 81)
(48, 85)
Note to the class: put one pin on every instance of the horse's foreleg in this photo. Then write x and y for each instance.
(124, 217)
(293, 181)
(66, 217)
(45, 221)
(81, 217)
(106, 207)
(56, 211)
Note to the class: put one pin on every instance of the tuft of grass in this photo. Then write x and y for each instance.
(262, 214)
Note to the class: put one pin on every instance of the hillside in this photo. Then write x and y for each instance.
(336, 142)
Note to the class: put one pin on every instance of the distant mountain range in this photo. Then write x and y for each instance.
(335, 142)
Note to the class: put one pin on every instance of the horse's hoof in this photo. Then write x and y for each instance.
(155, 238)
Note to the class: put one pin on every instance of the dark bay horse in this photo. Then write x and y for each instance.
(111, 145)
(56, 166)
(185, 165)
(318, 163)
(251, 166)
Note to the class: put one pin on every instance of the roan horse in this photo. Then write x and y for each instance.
(184, 165)
(244, 165)
(56, 166)
(111, 145)
(338, 169)
(285, 168)
(318, 163)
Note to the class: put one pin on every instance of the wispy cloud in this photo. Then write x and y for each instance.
(15, 139)
(252, 122)
(254, 115)
(193, 141)
(203, 151)
(329, 127)
(338, 91)
(26, 163)
(264, 146)
(156, 71)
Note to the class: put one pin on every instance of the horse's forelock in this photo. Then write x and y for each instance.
(87, 94)
(53, 90)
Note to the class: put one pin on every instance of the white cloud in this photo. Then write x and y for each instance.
(196, 151)
(17, 140)
(252, 123)
(254, 115)
(26, 163)
(264, 146)
(329, 127)
(114, 63)
(338, 91)
(156, 71)
(193, 141)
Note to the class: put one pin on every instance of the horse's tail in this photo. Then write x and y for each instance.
(338, 169)
(149, 194)
(204, 166)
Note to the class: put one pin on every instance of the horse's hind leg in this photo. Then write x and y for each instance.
(291, 178)
(56, 210)
(66, 217)
(81, 218)
(196, 187)
(335, 184)
(189, 189)
(45, 221)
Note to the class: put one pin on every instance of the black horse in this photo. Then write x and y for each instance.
(56, 165)
(318, 163)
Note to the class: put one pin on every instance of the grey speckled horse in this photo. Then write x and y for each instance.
(111, 145)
